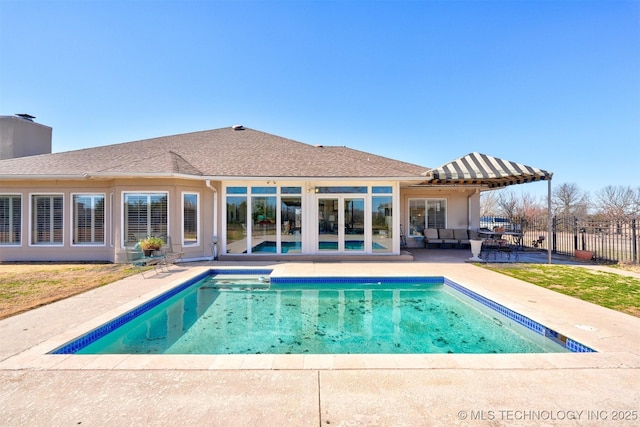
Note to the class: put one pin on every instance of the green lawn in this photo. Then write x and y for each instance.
(614, 291)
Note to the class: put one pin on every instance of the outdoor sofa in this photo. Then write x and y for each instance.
(449, 238)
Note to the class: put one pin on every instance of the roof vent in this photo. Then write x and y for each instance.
(26, 116)
(237, 127)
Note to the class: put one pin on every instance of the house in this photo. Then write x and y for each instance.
(236, 193)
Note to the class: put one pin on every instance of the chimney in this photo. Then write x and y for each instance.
(20, 136)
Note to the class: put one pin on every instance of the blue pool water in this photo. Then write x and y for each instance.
(270, 246)
(239, 314)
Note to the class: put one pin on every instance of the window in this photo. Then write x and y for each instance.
(426, 213)
(382, 224)
(387, 189)
(88, 219)
(341, 190)
(145, 214)
(236, 224)
(291, 224)
(264, 190)
(263, 223)
(190, 219)
(263, 219)
(47, 219)
(10, 220)
(290, 190)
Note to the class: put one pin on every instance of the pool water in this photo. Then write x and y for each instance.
(225, 315)
(270, 246)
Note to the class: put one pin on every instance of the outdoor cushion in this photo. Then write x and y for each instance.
(431, 237)
(460, 234)
(474, 235)
(445, 234)
(431, 234)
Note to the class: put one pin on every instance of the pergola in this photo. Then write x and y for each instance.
(491, 172)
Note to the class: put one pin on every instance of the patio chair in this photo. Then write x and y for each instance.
(498, 247)
(462, 236)
(137, 258)
(171, 256)
(431, 237)
(446, 234)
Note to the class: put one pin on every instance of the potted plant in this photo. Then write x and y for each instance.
(151, 244)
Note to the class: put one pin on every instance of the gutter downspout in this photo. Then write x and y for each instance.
(214, 239)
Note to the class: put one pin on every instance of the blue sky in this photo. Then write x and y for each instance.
(552, 84)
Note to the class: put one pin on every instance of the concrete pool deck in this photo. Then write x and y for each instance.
(490, 389)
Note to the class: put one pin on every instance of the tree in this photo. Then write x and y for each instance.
(618, 202)
(568, 199)
(489, 203)
(521, 208)
(530, 207)
(508, 203)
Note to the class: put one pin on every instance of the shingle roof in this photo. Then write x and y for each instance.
(221, 152)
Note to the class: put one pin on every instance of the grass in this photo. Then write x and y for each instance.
(615, 291)
(24, 286)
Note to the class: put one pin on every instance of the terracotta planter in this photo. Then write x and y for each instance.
(586, 255)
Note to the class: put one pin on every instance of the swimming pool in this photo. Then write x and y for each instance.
(227, 312)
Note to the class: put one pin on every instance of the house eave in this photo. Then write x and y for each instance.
(313, 178)
(128, 175)
(94, 175)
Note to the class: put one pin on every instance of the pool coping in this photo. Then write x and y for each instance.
(614, 336)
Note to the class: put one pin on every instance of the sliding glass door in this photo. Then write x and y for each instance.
(341, 224)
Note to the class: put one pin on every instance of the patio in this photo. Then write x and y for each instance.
(523, 389)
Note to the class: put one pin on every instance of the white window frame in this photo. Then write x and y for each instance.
(425, 200)
(104, 219)
(19, 242)
(197, 242)
(31, 222)
(122, 211)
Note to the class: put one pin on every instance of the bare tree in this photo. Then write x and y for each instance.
(569, 199)
(489, 203)
(617, 202)
(508, 203)
(530, 207)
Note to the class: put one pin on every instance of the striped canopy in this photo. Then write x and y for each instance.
(484, 170)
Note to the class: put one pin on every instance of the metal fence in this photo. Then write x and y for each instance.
(606, 241)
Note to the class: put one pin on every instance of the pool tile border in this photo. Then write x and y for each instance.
(91, 336)
(528, 323)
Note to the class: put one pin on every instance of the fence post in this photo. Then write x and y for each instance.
(575, 233)
(554, 243)
(634, 245)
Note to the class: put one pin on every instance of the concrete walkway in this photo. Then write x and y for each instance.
(296, 390)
